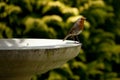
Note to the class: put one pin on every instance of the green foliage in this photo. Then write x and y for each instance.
(99, 58)
(4, 30)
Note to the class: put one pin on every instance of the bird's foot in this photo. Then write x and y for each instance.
(76, 42)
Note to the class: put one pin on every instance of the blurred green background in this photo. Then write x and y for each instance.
(99, 58)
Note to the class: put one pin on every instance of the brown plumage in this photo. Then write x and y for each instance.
(76, 29)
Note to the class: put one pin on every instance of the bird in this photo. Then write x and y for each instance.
(76, 29)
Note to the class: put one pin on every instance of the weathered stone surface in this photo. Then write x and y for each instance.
(20, 59)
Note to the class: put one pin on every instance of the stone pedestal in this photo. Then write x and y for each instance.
(20, 59)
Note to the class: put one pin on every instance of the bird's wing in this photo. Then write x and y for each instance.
(72, 29)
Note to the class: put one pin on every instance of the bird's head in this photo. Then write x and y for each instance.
(81, 20)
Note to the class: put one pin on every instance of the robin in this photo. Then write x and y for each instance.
(76, 29)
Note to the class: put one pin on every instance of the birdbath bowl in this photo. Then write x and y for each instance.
(20, 59)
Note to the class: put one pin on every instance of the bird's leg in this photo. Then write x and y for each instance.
(73, 38)
(77, 39)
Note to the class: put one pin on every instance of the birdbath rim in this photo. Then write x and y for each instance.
(34, 43)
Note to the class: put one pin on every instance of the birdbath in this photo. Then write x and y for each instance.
(20, 59)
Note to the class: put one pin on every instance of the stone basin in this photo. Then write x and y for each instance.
(20, 59)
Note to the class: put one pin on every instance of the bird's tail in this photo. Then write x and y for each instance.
(66, 37)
